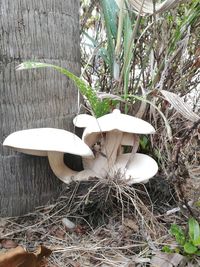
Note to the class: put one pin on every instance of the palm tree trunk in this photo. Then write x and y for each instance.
(47, 31)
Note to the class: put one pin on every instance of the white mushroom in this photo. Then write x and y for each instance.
(113, 130)
(140, 168)
(106, 134)
(53, 143)
(83, 120)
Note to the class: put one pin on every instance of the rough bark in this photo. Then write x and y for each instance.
(48, 31)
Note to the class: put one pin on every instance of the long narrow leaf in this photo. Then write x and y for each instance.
(167, 126)
(110, 11)
(98, 107)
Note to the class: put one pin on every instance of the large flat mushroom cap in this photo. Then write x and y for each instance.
(116, 121)
(140, 168)
(39, 141)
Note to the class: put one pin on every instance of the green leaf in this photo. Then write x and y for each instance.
(178, 233)
(99, 107)
(197, 253)
(190, 248)
(144, 142)
(101, 51)
(194, 231)
(167, 249)
(167, 125)
(110, 11)
(128, 54)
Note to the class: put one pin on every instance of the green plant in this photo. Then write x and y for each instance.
(188, 243)
(99, 107)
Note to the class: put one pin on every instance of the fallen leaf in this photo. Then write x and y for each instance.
(42, 252)
(12, 258)
(19, 257)
(179, 105)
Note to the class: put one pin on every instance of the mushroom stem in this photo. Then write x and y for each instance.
(104, 162)
(111, 146)
(130, 140)
(59, 168)
(134, 150)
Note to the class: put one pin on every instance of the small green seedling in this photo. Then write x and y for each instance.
(189, 243)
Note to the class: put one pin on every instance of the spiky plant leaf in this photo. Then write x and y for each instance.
(99, 107)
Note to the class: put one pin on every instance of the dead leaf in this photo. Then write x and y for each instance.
(7, 243)
(166, 260)
(19, 257)
(42, 252)
(179, 105)
(148, 6)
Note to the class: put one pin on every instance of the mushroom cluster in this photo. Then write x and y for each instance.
(102, 147)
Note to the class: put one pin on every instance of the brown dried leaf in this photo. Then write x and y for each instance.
(13, 258)
(42, 252)
(18, 257)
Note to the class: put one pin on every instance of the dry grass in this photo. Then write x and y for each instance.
(116, 225)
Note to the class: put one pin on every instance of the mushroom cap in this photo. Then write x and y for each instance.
(38, 141)
(116, 121)
(83, 120)
(140, 168)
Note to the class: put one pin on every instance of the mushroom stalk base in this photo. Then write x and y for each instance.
(59, 168)
(64, 173)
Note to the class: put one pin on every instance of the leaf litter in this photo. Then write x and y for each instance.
(94, 224)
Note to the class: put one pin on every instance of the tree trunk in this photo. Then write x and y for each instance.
(47, 31)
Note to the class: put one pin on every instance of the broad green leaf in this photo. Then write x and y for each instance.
(178, 233)
(194, 231)
(190, 248)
